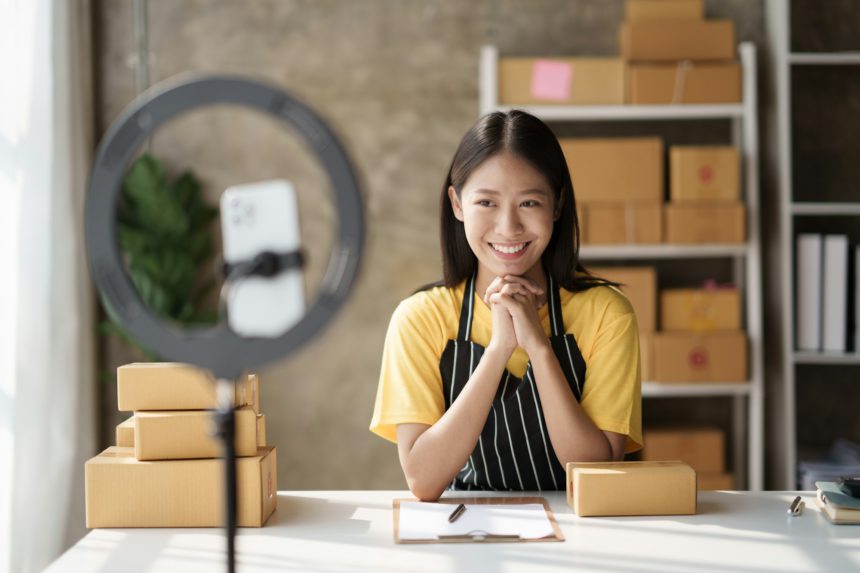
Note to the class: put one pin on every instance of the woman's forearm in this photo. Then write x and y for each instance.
(574, 436)
(442, 450)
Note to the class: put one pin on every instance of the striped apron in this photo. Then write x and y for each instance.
(513, 451)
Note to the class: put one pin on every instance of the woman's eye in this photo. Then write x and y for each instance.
(483, 203)
(530, 204)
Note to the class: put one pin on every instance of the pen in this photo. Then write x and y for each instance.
(458, 511)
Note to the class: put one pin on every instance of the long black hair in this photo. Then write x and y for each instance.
(528, 138)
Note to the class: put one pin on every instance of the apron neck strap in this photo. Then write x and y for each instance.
(467, 310)
(556, 320)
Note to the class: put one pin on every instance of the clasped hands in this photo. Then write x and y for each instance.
(514, 301)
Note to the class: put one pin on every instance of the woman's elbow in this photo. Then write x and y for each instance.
(423, 491)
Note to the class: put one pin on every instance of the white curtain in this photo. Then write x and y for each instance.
(47, 331)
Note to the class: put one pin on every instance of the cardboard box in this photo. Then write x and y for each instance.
(615, 169)
(261, 430)
(700, 309)
(589, 81)
(702, 447)
(646, 10)
(623, 223)
(697, 223)
(124, 492)
(125, 433)
(700, 357)
(639, 285)
(631, 488)
(675, 40)
(687, 82)
(189, 434)
(252, 391)
(714, 481)
(172, 386)
(646, 355)
(704, 173)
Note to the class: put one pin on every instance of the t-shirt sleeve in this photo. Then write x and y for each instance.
(613, 382)
(410, 385)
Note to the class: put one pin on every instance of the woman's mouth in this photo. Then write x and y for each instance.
(509, 251)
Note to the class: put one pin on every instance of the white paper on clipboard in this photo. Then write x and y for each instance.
(425, 520)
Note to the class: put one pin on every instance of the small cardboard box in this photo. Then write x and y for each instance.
(626, 222)
(631, 488)
(700, 309)
(252, 391)
(675, 40)
(124, 492)
(639, 285)
(646, 10)
(719, 356)
(687, 82)
(261, 430)
(714, 481)
(702, 447)
(697, 223)
(125, 433)
(589, 81)
(615, 169)
(173, 386)
(704, 173)
(189, 434)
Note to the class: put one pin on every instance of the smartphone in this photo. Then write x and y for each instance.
(255, 218)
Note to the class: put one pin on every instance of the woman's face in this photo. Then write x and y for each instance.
(507, 209)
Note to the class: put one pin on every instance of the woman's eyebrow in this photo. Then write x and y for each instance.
(534, 191)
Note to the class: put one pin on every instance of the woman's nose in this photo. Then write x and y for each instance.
(508, 222)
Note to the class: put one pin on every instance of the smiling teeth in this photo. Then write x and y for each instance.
(509, 250)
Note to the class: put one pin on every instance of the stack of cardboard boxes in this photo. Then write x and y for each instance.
(164, 470)
(669, 53)
(702, 447)
(675, 56)
(618, 185)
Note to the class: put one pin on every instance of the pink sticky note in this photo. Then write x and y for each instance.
(551, 80)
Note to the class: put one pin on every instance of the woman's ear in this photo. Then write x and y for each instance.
(558, 205)
(455, 203)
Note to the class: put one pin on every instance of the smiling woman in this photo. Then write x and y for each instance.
(522, 361)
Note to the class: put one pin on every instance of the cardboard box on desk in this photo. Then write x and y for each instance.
(700, 309)
(698, 223)
(704, 173)
(124, 492)
(719, 356)
(615, 169)
(676, 40)
(174, 386)
(586, 81)
(639, 285)
(261, 430)
(686, 82)
(702, 447)
(188, 434)
(631, 488)
(647, 10)
(619, 223)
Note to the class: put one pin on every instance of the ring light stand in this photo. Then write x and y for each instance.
(216, 348)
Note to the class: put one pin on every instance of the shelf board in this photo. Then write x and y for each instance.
(825, 58)
(628, 112)
(826, 358)
(681, 389)
(660, 251)
(820, 208)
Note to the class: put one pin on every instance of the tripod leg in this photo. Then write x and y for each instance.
(225, 420)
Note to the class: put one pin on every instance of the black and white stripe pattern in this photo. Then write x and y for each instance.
(513, 451)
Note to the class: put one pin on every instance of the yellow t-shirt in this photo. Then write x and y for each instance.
(600, 318)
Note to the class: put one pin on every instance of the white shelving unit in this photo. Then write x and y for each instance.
(747, 398)
(778, 16)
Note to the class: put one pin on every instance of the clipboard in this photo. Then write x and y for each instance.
(480, 537)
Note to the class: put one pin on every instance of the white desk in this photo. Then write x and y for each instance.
(339, 531)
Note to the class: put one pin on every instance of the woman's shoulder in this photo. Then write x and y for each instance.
(434, 304)
(605, 301)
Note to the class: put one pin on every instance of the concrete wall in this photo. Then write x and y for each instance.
(398, 81)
